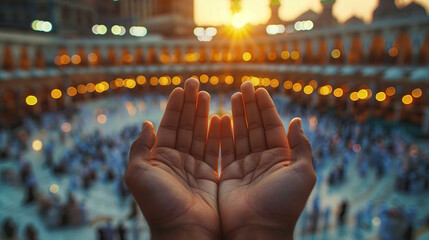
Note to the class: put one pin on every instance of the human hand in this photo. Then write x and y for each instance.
(173, 175)
(267, 175)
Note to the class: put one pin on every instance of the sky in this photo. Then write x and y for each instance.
(218, 12)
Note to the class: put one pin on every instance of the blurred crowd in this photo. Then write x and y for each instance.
(343, 149)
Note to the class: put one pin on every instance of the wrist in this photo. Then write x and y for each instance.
(184, 233)
(257, 232)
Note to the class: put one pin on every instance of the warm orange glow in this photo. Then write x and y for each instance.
(119, 82)
(75, 59)
(416, 93)
(81, 89)
(176, 80)
(99, 88)
(130, 83)
(294, 55)
(214, 80)
(105, 85)
(336, 53)
(244, 78)
(101, 119)
(153, 81)
(64, 59)
(127, 58)
(285, 55)
(164, 81)
(354, 96)
(272, 56)
(31, 100)
(338, 92)
(56, 93)
(90, 87)
(265, 82)
(325, 90)
(393, 52)
(141, 80)
(204, 78)
(297, 87)
(92, 58)
(407, 99)
(362, 94)
(238, 20)
(229, 80)
(274, 83)
(390, 91)
(308, 89)
(313, 83)
(247, 56)
(380, 96)
(255, 81)
(71, 91)
(287, 85)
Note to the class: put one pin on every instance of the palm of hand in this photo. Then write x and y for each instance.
(179, 190)
(268, 193)
(267, 175)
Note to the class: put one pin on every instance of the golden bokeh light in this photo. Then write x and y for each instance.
(56, 93)
(265, 82)
(287, 85)
(255, 81)
(204, 78)
(81, 89)
(130, 83)
(64, 59)
(313, 83)
(229, 80)
(31, 100)
(325, 90)
(99, 88)
(90, 87)
(416, 93)
(380, 96)
(338, 92)
(214, 80)
(285, 55)
(308, 89)
(119, 82)
(407, 99)
(76, 59)
(247, 56)
(238, 20)
(37, 145)
(176, 80)
(336, 53)
(274, 83)
(390, 91)
(54, 188)
(153, 81)
(92, 58)
(141, 80)
(71, 91)
(362, 94)
(294, 55)
(101, 119)
(354, 96)
(297, 87)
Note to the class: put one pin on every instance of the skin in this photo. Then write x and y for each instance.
(266, 175)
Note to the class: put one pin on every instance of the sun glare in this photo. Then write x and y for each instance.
(238, 20)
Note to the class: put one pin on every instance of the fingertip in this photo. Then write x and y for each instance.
(204, 96)
(247, 86)
(296, 123)
(215, 118)
(226, 119)
(261, 92)
(192, 83)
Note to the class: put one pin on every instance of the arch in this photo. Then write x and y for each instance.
(24, 59)
(355, 55)
(7, 58)
(203, 54)
(215, 55)
(111, 56)
(323, 51)
(377, 50)
(297, 60)
(226, 54)
(272, 53)
(127, 57)
(164, 57)
(403, 45)
(40, 60)
(261, 53)
(177, 55)
(308, 56)
(424, 51)
(338, 45)
(151, 56)
(139, 56)
(81, 52)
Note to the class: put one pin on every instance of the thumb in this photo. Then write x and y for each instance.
(298, 142)
(140, 149)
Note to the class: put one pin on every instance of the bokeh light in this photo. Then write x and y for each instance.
(56, 93)
(37, 145)
(407, 99)
(31, 100)
(101, 119)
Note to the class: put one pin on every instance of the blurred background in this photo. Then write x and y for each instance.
(77, 78)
